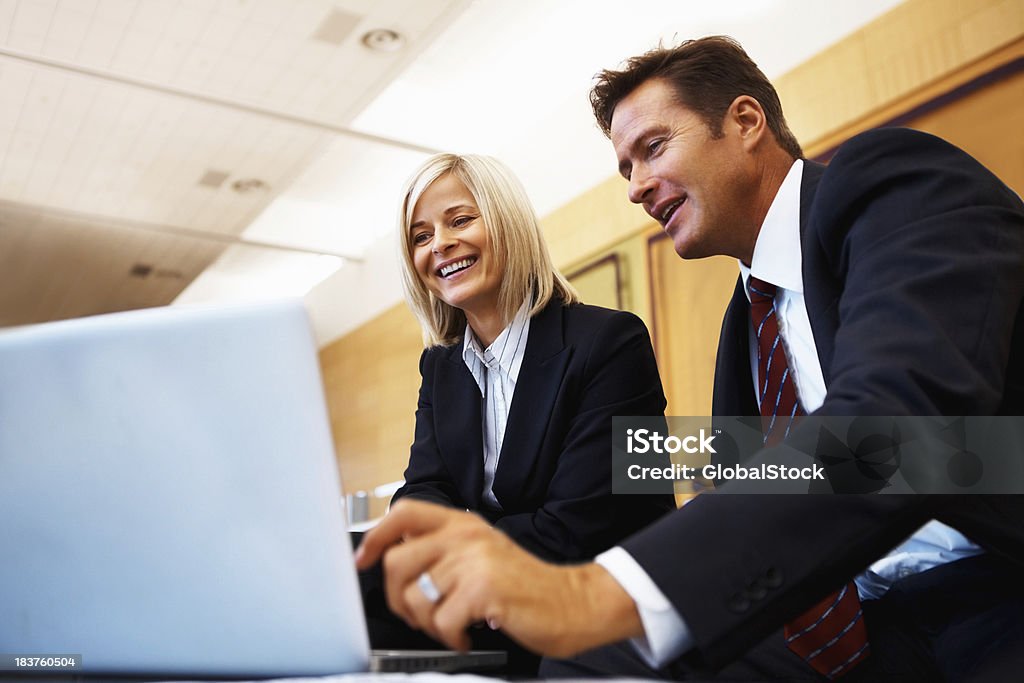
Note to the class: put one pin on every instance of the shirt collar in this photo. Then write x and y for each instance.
(506, 347)
(777, 257)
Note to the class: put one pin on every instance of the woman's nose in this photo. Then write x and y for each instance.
(444, 240)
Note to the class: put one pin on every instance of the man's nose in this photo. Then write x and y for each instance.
(641, 185)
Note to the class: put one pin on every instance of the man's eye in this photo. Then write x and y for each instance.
(654, 145)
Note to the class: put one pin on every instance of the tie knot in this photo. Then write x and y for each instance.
(761, 291)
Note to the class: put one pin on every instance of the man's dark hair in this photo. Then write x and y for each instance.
(706, 74)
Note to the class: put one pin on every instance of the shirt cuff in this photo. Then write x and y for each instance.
(666, 635)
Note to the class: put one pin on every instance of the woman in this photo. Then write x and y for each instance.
(520, 379)
(520, 383)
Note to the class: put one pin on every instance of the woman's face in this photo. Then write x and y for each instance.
(450, 248)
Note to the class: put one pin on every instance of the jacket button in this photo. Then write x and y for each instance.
(756, 590)
(738, 604)
(773, 578)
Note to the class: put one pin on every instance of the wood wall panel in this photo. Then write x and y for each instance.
(988, 125)
(599, 283)
(891, 59)
(371, 377)
(689, 299)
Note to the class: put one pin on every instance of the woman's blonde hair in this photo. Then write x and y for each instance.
(514, 240)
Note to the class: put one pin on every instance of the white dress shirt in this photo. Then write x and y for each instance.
(778, 259)
(496, 370)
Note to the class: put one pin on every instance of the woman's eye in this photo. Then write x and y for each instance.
(421, 238)
(461, 221)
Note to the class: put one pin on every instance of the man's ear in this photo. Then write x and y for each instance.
(747, 118)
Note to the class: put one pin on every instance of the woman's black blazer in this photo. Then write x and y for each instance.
(582, 365)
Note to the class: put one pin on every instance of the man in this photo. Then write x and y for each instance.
(890, 283)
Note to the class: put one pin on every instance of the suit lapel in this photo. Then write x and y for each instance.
(820, 298)
(734, 383)
(460, 429)
(544, 364)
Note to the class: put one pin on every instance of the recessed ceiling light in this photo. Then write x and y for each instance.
(383, 40)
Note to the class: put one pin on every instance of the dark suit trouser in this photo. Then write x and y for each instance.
(962, 621)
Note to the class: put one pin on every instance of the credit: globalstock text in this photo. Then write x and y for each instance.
(642, 441)
(762, 471)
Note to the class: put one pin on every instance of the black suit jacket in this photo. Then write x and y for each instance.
(913, 271)
(582, 365)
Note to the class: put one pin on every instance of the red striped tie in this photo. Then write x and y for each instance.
(831, 636)
(776, 393)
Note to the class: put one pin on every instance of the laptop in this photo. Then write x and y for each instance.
(170, 502)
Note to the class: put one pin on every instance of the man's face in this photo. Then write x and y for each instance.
(698, 187)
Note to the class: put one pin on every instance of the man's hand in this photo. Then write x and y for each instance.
(483, 576)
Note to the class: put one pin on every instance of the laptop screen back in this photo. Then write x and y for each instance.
(169, 498)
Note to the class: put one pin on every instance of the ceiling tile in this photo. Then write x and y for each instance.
(31, 43)
(270, 13)
(250, 43)
(66, 34)
(84, 7)
(152, 15)
(116, 12)
(240, 9)
(133, 52)
(224, 77)
(219, 31)
(306, 17)
(15, 83)
(100, 44)
(32, 17)
(164, 60)
(256, 84)
(195, 68)
(185, 23)
(7, 10)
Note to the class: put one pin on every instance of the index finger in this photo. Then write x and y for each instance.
(406, 518)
